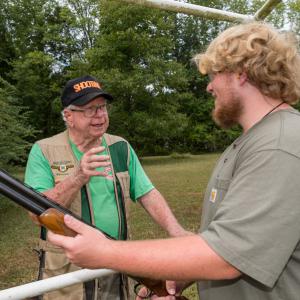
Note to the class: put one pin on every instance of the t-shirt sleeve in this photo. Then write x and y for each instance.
(256, 227)
(38, 172)
(140, 184)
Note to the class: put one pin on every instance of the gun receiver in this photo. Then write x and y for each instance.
(51, 216)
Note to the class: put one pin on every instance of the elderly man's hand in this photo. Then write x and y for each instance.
(34, 218)
(170, 286)
(85, 248)
(174, 289)
(88, 164)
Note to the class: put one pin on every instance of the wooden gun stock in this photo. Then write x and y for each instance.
(53, 220)
(51, 216)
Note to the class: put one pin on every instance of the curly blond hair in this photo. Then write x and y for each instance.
(270, 59)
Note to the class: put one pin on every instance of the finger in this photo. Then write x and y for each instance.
(171, 287)
(98, 158)
(96, 150)
(94, 165)
(57, 239)
(96, 173)
(142, 293)
(154, 297)
(75, 224)
(34, 218)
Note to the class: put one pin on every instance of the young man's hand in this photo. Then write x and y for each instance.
(78, 248)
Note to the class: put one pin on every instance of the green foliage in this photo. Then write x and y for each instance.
(141, 74)
(37, 90)
(141, 55)
(15, 133)
(293, 12)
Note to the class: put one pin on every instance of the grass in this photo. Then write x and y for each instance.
(181, 179)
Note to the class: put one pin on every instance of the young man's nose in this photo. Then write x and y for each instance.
(209, 88)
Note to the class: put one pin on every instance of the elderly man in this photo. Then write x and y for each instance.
(96, 175)
(249, 243)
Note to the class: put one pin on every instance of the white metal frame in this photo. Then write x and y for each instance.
(40, 287)
(206, 12)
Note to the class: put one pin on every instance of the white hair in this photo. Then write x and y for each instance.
(69, 107)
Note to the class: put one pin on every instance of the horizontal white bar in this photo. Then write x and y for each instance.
(50, 284)
(192, 9)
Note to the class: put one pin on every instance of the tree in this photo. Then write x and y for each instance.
(15, 133)
(133, 58)
(46, 37)
(7, 51)
(37, 89)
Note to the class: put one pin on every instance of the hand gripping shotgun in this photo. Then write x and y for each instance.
(51, 216)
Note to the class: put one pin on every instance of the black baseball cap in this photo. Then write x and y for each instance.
(82, 90)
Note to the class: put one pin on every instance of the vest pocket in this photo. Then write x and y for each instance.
(219, 190)
(56, 264)
(55, 261)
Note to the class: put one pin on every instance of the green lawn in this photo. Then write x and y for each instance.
(182, 180)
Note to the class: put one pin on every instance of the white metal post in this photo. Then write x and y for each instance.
(192, 9)
(207, 12)
(51, 284)
(265, 10)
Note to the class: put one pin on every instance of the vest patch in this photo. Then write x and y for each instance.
(62, 166)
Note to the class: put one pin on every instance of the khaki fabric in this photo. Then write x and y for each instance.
(124, 180)
(62, 162)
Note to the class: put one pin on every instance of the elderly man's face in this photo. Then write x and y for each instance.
(90, 120)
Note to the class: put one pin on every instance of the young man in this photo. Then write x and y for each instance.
(248, 246)
(96, 175)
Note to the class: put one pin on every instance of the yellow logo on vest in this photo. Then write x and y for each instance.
(213, 195)
(62, 167)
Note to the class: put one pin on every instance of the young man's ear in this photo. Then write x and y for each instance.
(242, 77)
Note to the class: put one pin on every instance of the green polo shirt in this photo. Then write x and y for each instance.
(39, 176)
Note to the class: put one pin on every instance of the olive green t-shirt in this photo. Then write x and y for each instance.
(39, 176)
(251, 212)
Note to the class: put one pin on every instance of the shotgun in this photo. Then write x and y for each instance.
(51, 215)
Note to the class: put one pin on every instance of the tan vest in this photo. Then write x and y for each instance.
(63, 163)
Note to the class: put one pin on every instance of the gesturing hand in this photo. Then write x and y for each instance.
(90, 161)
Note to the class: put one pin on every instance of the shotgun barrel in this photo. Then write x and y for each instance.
(30, 194)
(32, 200)
(20, 199)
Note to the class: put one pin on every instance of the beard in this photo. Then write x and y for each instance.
(227, 113)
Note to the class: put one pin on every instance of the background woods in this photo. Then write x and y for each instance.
(142, 56)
